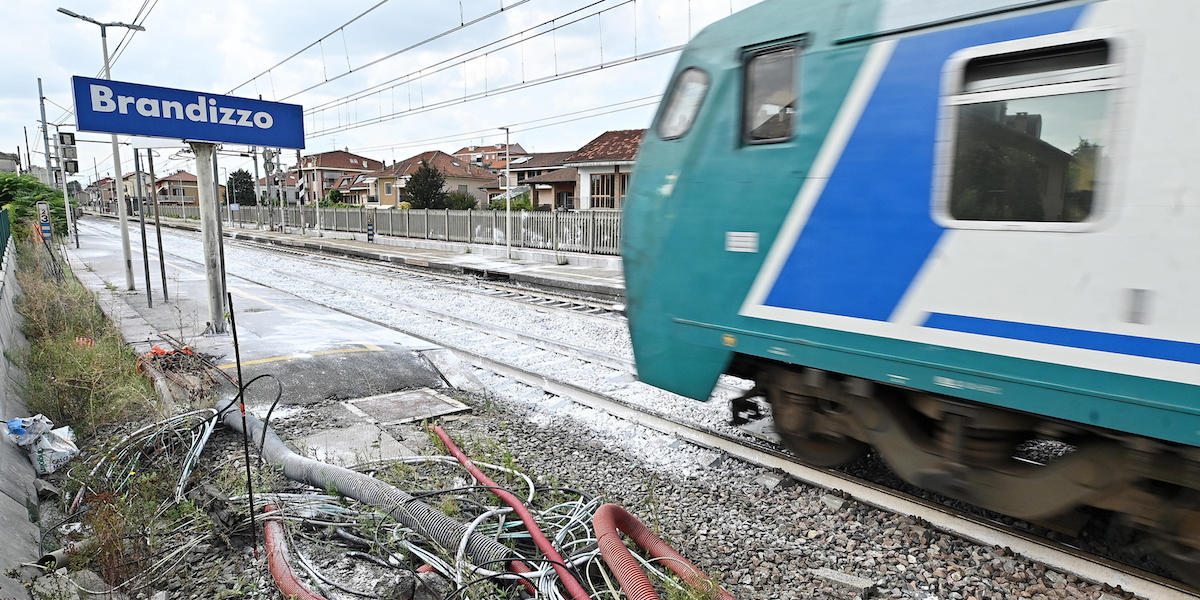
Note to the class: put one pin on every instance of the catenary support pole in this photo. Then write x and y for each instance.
(162, 261)
(210, 234)
(141, 203)
(507, 198)
(257, 189)
(45, 129)
(268, 166)
(299, 198)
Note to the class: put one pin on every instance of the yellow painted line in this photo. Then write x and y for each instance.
(260, 361)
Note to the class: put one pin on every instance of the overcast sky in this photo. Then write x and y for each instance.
(217, 45)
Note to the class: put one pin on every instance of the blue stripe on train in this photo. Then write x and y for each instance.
(872, 229)
(1074, 338)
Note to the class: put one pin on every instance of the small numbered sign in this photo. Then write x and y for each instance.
(43, 209)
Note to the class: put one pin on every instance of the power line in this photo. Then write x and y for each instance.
(405, 49)
(302, 50)
(496, 92)
(406, 78)
(451, 137)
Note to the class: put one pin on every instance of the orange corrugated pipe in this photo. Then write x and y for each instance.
(286, 580)
(609, 521)
(568, 579)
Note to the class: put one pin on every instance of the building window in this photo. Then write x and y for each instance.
(683, 103)
(1029, 135)
(387, 188)
(769, 95)
(608, 189)
(462, 189)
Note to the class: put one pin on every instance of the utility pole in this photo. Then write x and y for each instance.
(209, 233)
(162, 261)
(257, 189)
(137, 172)
(116, 151)
(300, 199)
(269, 167)
(45, 128)
(507, 198)
(28, 158)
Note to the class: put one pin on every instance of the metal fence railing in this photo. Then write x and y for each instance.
(589, 231)
(5, 232)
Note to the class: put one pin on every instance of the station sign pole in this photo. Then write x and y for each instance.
(203, 120)
(141, 205)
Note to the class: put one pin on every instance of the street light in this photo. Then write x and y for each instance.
(116, 150)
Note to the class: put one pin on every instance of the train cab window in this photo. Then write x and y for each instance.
(1030, 132)
(769, 95)
(683, 103)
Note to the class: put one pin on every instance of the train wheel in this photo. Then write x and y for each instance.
(797, 422)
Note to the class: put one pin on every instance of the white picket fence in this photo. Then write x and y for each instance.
(590, 231)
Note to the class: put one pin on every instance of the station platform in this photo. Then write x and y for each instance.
(595, 275)
(317, 353)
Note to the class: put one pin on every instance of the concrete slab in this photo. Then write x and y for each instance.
(316, 352)
(405, 407)
(347, 446)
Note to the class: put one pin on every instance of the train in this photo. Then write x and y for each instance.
(944, 233)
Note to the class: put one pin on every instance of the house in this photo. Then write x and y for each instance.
(357, 189)
(604, 165)
(10, 162)
(180, 187)
(555, 188)
(540, 164)
(129, 184)
(283, 183)
(321, 172)
(461, 176)
(489, 156)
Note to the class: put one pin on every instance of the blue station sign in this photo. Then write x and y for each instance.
(107, 106)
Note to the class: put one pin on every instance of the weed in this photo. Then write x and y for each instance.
(86, 386)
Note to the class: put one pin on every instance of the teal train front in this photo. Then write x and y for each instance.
(944, 235)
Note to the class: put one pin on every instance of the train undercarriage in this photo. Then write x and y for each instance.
(979, 453)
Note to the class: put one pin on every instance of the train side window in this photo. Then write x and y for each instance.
(1030, 130)
(769, 95)
(683, 103)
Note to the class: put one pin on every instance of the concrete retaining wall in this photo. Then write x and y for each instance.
(18, 499)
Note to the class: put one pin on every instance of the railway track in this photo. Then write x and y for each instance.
(754, 451)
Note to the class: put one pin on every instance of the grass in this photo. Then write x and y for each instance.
(71, 381)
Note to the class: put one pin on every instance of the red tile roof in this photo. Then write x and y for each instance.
(565, 175)
(181, 176)
(448, 165)
(542, 160)
(340, 160)
(609, 146)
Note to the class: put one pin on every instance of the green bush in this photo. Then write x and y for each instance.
(20, 195)
(519, 203)
(461, 201)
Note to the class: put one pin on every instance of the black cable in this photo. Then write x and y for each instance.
(507, 576)
(374, 559)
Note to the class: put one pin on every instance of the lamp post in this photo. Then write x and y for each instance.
(507, 199)
(116, 152)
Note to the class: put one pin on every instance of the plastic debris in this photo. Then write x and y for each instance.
(49, 449)
(25, 431)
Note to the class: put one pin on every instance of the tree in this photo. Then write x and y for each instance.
(425, 187)
(461, 201)
(241, 187)
(19, 194)
(331, 198)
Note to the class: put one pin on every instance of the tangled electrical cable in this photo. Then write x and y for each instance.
(565, 517)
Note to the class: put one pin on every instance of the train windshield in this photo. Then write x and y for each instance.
(683, 103)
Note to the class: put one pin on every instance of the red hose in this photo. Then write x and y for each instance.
(286, 580)
(573, 586)
(610, 520)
